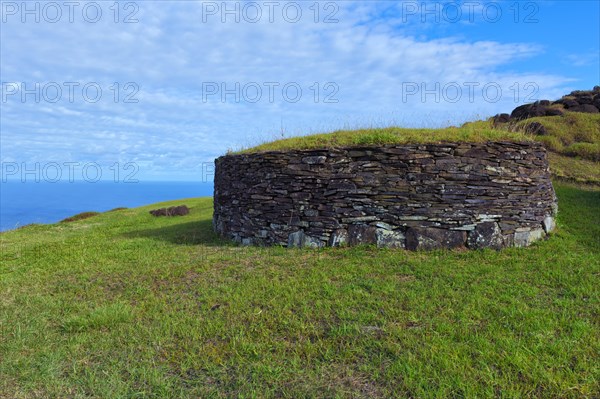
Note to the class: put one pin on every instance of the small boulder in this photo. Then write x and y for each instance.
(554, 112)
(501, 118)
(585, 108)
(567, 102)
(528, 111)
(536, 128)
(180, 210)
(585, 99)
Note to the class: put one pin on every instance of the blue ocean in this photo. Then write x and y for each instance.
(45, 202)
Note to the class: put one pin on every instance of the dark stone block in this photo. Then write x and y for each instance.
(422, 238)
(362, 234)
(485, 235)
(390, 239)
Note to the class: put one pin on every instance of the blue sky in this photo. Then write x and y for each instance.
(169, 86)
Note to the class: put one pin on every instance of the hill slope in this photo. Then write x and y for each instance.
(123, 304)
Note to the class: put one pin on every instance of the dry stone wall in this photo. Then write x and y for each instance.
(474, 195)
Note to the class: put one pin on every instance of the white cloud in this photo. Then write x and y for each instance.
(581, 60)
(171, 52)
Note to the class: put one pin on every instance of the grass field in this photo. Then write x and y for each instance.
(125, 305)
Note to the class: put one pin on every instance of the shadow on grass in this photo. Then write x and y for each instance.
(579, 214)
(190, 233)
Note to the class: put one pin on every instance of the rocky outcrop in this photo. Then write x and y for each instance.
(587, 101)
(452, 195)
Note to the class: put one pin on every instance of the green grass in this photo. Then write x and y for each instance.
(125, 305)
(589, 151)
(574, 169)
(391, 135)
(573, 134)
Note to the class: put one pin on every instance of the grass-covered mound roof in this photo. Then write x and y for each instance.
(573, 140)
(574, 134)
(390, 136)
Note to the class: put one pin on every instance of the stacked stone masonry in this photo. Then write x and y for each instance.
(473, 195)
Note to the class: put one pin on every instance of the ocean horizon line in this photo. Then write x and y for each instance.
(48, 202)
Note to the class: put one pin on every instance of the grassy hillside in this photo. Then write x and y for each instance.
(123, 304)
(573, 134)
(573, 139)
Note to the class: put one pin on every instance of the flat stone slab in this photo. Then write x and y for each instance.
(423, 238)
(486, 235)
